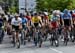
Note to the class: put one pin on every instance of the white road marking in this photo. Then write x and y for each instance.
(56, 50)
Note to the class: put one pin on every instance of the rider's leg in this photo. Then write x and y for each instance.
(17, 33)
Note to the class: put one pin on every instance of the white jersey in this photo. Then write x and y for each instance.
(16, 22)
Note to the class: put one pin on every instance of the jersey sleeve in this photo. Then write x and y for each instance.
(32, 19)
(39, 18)
(62, 16)
(26, 20)
(70, 15)
(20, 20)
(12, 21)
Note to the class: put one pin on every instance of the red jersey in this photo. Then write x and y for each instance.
(28, 17)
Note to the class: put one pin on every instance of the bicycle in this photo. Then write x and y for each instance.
(66, 36)
(38, 36)
(23, 37)
(16, 42)
(54, 37)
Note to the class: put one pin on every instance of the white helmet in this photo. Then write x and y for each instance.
(46, 13)
(56, 12)
(16, 14)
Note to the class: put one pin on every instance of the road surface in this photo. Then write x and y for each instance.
(7, 47)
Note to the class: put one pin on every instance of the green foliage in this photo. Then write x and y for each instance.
(54, 4)
(13, 5)
(12, 10)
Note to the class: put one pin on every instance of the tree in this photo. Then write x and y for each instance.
(41, 4)
(54, 4)
(10, 5)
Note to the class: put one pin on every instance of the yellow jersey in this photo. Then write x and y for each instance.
(36, 19)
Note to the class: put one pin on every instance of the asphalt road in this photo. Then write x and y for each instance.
(7, 47)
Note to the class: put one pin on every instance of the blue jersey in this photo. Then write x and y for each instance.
(24, 21)
(66, 16)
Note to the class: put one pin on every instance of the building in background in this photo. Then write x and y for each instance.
(28, 5)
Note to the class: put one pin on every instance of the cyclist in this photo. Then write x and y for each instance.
(17, 25)
(28, 16)
(1, 31)
(24, 25)
(46, 17)
(4, 21)
(67, 23)
(66, 18)
(73, 28)
(73, 16)
(36, 21)
(54, 24)
(55, 18)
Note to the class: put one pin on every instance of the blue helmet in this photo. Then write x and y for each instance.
(65, 11)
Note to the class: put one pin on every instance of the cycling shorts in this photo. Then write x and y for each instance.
(36, 24)
(54, 24)
(67, 22)
(24, 27)
(16, 28)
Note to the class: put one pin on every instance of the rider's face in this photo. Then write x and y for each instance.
(16, 17)
(35, 15)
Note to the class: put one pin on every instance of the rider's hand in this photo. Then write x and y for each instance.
(20, 27)
(72, 26)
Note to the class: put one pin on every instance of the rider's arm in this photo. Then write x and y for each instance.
(71, 20)
(40, 20)
(20, 24)
(32, 21)
(12, 21)
(62, 19)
